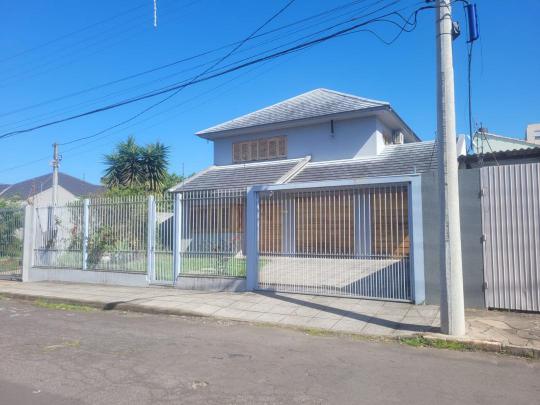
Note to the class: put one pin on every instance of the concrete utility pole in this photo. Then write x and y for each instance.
(55, 165)
(452, 305)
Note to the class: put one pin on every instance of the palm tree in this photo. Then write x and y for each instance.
(154, 160)
(134, 166)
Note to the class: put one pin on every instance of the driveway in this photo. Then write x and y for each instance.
(52, 356)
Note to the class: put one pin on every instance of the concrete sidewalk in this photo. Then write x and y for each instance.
(343, 315)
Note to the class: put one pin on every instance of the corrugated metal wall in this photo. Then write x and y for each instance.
(511, 228)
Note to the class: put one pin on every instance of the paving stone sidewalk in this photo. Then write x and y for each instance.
(347, 315)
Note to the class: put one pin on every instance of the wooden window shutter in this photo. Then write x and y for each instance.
(282, 152)
(263, 149)
(272, 148)
(236, 152)
(254, 154)
(245, 151)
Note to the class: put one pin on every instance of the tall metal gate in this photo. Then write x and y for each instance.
(11, 242)
(511, 234)
(346, 242)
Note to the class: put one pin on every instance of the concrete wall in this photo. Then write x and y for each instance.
(186, 282)
(85, 276)
(351, 138)
(471, 232)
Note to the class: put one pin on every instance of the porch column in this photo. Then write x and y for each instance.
(416, 233)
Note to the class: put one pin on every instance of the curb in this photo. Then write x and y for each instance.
(488, 346)
(472, 344)
(106, 306)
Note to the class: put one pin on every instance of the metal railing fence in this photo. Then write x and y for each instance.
(163, 239)
(212, 232)
(352, 242)
(58, 236)
(11, 241)
(117, 234)
(106, 234)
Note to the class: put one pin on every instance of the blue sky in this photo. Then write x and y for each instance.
(49, 49)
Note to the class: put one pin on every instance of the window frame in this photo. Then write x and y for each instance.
(262, 148)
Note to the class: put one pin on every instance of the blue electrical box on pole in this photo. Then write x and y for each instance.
(472, 20)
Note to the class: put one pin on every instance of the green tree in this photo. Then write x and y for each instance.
(134, 169)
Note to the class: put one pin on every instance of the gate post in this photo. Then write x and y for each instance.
(28, 242)
(252, 239)
(177, 235)
(85, 226)
(151, 238)
(418, 283)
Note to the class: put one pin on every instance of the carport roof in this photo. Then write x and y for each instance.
(240, 175)
(409, 158)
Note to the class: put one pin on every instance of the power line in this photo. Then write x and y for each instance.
(268, 21)
(70, 34)
(110, 37)
(190, 58)
(199, 79)
(343, 32)
(46, 158)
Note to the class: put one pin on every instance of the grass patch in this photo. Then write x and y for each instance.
(63, 306)
(419, 341)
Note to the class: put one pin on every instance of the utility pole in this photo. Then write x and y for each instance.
(452, 305)
(55, 165)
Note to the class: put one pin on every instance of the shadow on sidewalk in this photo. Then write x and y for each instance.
(355, 315)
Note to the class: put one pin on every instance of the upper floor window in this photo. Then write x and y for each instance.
(260, 149)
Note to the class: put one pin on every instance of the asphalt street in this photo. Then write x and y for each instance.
(53, 356)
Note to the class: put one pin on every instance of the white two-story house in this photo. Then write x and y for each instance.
(329, 167)
(321, 134)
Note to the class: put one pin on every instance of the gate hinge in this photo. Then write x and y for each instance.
(483, 238)
(484, 286)
(481, 193)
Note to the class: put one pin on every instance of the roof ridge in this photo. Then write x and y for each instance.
(371, 100)
(257, 111)
(312, 104)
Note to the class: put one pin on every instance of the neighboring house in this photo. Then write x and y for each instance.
(356, 239)
(533, 133)
(38, 190)
(485, 143)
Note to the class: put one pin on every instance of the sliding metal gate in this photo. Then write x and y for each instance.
(11, 242)
(346, 242)
(511, 234)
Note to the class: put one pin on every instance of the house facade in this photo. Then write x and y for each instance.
(38, 190)
(334, 181)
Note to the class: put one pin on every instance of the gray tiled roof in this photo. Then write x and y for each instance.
(239, 175)
(28, 188)
(408, 158)
(315, 103)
